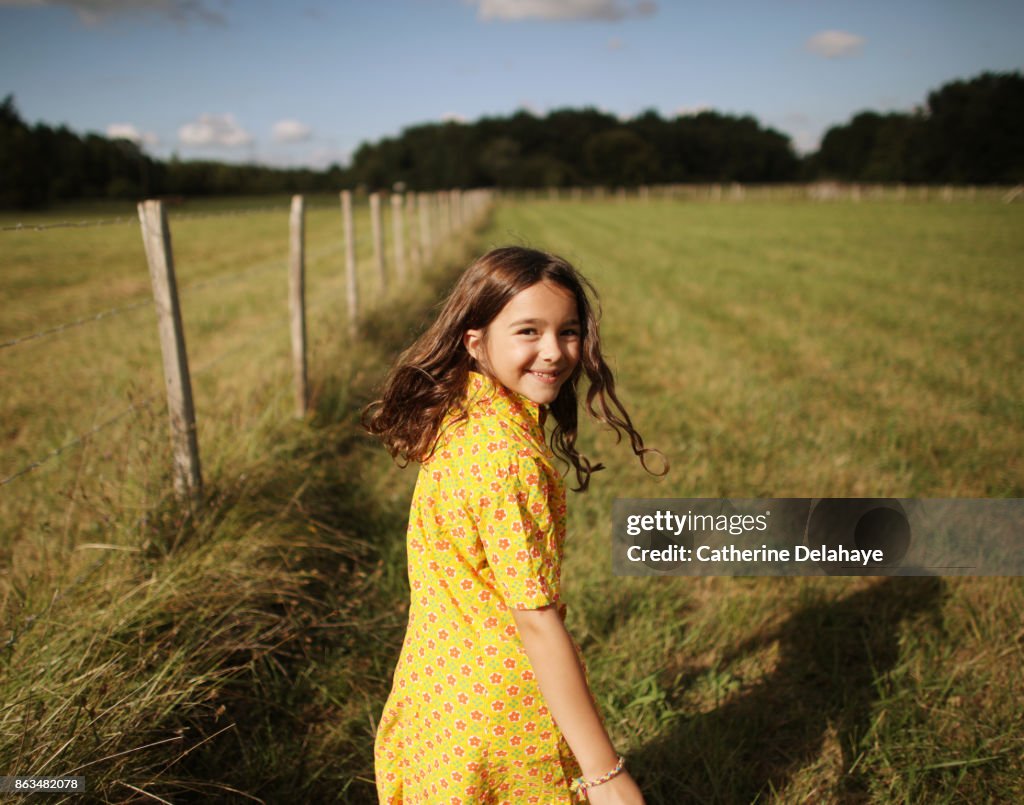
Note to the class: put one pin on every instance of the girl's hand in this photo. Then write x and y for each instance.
(620, 790)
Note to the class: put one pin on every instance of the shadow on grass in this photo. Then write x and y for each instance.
(832, 658)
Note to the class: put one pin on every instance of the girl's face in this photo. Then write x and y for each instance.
(533, 344)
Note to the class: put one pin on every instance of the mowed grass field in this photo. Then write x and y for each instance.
(767, 348)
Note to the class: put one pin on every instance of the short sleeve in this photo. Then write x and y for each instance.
(517, 508)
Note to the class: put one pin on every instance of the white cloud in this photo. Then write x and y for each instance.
(290, 131)
(325, 157)
(127, 131)
(806, 141)
(835, 44)
(692, 111)
(93, 12)
(612, 10)
(453, 117)
(214, 130)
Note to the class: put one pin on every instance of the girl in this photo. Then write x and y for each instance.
(490, 701)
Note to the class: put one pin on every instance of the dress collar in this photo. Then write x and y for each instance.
(515, 406)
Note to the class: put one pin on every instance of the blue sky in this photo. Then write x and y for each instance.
(304, 82)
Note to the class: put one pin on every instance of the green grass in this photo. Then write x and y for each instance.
(767, 348)
(804, 350)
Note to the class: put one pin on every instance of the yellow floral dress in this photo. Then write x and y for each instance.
(466, 722)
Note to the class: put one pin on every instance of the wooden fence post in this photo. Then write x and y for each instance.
(440, 222)
(444, 221)
(455, 199)
(156, 237)
(377, 227)
(398, 234)
(426, 242)
(350, 263)
(415, 246)
(297, 301)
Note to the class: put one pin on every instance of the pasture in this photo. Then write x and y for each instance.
(767, 348)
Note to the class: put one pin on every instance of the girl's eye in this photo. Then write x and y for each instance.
(571, 331)
(528, 331)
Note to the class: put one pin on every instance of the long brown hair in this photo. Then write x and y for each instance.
(429, 379)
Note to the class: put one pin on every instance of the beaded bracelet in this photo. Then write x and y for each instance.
(580, 786)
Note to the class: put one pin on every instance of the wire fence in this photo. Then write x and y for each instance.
(447, 221)
(81, 438)
(442, 225)
(823, 190)
(90, 223)
(22, 227)
(212, 282)
(78, 440)
(97, 222)
(443, 215)
(60, 328)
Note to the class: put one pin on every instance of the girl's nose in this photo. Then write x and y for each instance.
(551, 348)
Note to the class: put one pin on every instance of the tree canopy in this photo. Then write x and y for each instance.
(40, 165)
(578, 147)
(969, 131)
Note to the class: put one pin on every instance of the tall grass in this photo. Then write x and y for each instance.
(769, 349)
(187, 656)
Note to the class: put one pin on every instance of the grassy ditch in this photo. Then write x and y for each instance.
(226, 654)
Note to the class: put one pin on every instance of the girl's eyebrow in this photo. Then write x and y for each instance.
(573, 320)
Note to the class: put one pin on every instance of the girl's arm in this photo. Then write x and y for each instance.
(564, 686)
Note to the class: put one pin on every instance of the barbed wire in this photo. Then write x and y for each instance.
(259, 267)
(144, 402)
(87, 224)
(27, 622)
(78, 440)
(76, 323)
(172, 216)
(21, 227)
(191, 216)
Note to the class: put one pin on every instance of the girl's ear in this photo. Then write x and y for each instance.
(473, 340)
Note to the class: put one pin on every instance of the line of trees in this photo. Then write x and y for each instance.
(571, 147)
(969, 132)
(40, 165)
